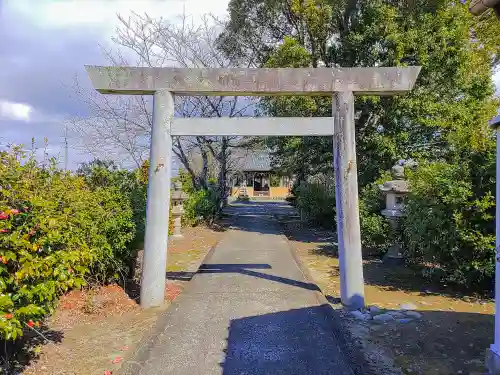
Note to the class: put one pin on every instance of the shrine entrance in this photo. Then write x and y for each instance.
(261, 182)
(340, 83)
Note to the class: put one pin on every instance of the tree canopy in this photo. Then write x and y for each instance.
(442, 123)
(447, 111)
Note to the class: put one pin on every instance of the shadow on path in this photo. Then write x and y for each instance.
(298, 341)
(232, 325)
(244, 269)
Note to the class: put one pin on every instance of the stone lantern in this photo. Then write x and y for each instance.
(177, 197)
(395, 192)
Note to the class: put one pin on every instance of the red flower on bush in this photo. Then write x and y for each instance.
(30, 323)
(70, 270)
(9, 316)
(14, 211)
(4, 230)
(3, 216)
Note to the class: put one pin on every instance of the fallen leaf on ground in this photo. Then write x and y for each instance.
(117, 359)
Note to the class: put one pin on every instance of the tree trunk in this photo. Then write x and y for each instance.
(181, 155)
(204, 169)
(223, 157)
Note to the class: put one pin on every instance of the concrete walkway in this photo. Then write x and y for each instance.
(248, 311)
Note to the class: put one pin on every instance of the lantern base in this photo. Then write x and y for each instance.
(393, 256)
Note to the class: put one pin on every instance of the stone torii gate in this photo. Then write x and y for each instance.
(342, 84)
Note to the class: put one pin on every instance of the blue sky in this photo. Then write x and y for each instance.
(44, 44)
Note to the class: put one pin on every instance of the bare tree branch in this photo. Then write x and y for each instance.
(121, 126)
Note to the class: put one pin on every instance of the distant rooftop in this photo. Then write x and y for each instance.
(251, 160)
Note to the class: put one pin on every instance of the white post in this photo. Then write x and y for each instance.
(493, 357)
(158, 203)
(495, 348)
(346, 192)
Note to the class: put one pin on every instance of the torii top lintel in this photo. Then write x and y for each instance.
(259, 82)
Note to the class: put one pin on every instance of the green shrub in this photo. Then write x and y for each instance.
(186, 181)
(316, 199)
(376, 236)
(116, 223)
(55, 233)
(201, 205)
(449, 224)
(275, 180)
(99, 174)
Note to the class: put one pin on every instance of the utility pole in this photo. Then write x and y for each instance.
(66, 147)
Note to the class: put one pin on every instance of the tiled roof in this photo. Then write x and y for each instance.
(251, 160)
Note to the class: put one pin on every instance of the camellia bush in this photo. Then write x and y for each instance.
(56, 233)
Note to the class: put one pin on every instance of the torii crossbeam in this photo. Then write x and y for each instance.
(340, 83)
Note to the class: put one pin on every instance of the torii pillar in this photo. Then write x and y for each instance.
(342, 84)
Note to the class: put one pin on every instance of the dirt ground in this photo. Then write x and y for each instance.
(92, 331)
(451, 337)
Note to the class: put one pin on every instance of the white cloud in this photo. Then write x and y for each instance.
(15, 111)
(102, 14)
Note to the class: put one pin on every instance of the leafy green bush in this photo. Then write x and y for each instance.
(316, 199)
(449, 224)
(55, 234)
(100, 174)
(376, 236)
(201, 205)
(117, 189)
(275, 180)
(186, 181)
